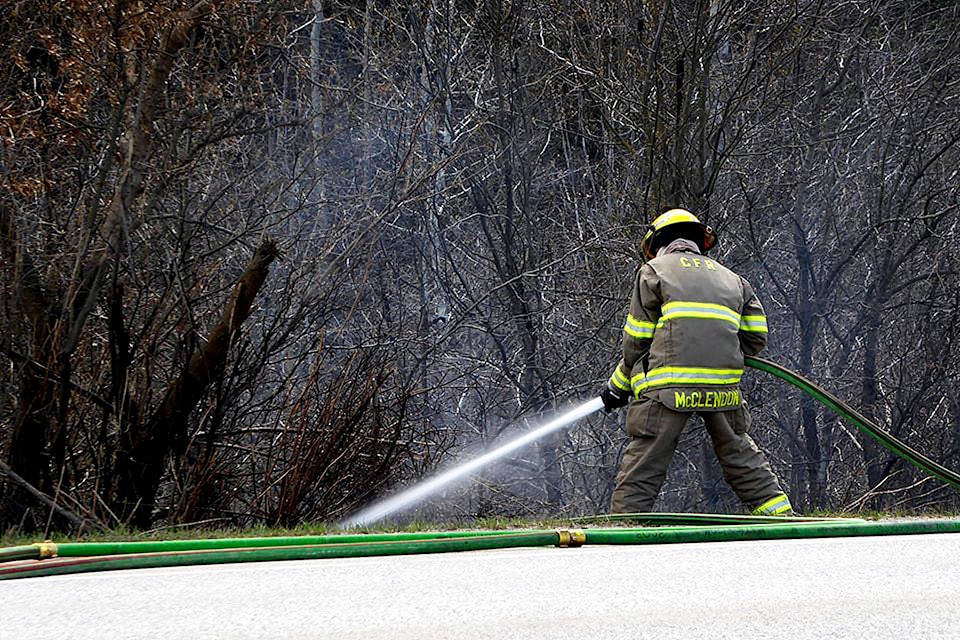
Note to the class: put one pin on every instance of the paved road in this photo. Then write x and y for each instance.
(893, 587)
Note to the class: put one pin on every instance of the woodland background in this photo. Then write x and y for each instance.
(264, 261)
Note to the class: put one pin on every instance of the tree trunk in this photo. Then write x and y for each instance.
(144, 448)
(29, 455)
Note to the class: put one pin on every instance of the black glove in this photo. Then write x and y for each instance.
(614, 398)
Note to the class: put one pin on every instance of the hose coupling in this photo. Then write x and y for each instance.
(46, 549)
(571, 537)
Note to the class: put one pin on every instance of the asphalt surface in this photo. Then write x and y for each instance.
(890, 587)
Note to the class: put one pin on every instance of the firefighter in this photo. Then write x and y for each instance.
(691, 321)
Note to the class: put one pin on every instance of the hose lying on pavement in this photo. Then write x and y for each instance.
(480, 541)
(82, 549)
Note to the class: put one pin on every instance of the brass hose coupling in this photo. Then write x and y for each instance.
(571, 537)
(46, 549)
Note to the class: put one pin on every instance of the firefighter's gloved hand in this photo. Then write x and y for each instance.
(614, 399)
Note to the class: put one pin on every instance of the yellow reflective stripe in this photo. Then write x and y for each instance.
(757, 324)
(653, 372)
(638, 333)
(620, 375)
(639, 324)
(774, 506)
(704, 310)
(705, 315)
(700, 305)
(619, 380)
(662, 382)
(666, 376)
(638, 328)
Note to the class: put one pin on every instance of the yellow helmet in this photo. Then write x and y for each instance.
(678, 216)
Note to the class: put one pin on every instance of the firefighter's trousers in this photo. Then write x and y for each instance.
(654, 431)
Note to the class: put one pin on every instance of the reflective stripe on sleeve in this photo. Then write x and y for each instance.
(775, 506)
(638, 328)
(619, 380)
(756, 324)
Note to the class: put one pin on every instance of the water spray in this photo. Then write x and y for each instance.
(419, 492)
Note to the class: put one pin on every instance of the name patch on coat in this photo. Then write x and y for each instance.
(703, 400)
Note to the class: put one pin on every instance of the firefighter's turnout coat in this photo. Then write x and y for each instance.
(690, 323)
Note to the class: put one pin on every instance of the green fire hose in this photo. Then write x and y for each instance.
(81, 549)
(886, 440)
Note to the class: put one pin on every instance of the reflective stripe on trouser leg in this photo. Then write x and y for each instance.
(654, 430)
(744, 467)
(775, 506)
